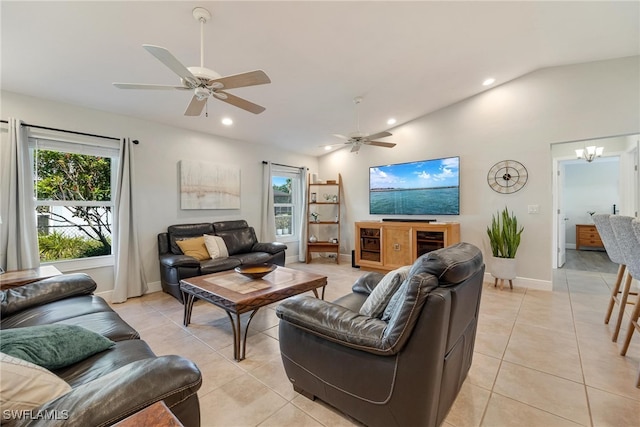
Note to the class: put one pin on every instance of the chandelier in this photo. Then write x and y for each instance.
(589, 153)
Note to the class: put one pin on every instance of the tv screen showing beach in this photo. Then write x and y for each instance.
(427, 187)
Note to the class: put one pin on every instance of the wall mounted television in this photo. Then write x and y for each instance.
(426, 187)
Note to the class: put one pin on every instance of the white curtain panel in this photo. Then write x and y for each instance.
(19, 236)
(267, 217)
(302, 218)
(129, 274)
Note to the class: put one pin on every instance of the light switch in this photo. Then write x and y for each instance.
(533, 209)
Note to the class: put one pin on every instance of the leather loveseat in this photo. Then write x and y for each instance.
(405, 371)
(112, 384)
(241, 243)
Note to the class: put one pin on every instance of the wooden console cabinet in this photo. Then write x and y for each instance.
(385, 246)
(587, 235)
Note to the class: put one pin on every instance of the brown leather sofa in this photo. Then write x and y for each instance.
(113, 384)
(406, 371)
(242, 245)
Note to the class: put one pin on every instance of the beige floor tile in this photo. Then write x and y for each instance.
(469, 406)
(290, 416)
(484, 370)
(217, 371)
(612, 410)
(561, 397)
(323, 413)
(553, 352)
(244, 401)
(612, 372)
(505, 412)
(273, 375)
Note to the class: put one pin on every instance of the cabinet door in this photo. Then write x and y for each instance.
(368, 250)
(396, 246)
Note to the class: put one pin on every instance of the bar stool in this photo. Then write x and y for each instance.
(603, 224)
(633, 323)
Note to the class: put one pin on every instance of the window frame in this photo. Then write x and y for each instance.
(296, 183)
(76, 144)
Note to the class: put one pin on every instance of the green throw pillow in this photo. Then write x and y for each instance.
(52, 346)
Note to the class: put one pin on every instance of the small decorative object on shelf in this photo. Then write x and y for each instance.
(315, 216)
(313, 197)
(313, 239)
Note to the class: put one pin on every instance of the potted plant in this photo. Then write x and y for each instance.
(504, 237)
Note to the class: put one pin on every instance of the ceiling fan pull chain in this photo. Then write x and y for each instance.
(206, 108)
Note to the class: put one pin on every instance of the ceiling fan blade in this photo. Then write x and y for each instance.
(378, 135)
(196, 106)
(251, 78)
(146, 86)
(170, 61)
(239, 102)
(346, 138)
(381, 144)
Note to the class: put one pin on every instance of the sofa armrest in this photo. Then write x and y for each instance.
(367, 282)
(336, 323)
(44, 291)
(125, 391)
(171, 260)
(272, 247)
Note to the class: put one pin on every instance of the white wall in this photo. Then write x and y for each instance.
(157, 173)
(589, 187)
(516, 120)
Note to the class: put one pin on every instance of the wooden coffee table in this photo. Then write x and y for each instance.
(237, 294)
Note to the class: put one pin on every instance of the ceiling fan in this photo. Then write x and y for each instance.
(357, 139)
(203, 81)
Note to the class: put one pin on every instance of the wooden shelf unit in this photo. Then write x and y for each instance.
(385, 246)
(327, 227)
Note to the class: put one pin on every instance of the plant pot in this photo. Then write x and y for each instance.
(503, 268)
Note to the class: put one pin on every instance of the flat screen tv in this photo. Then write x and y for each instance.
(427, 187)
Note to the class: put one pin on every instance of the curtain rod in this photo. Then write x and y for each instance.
(264, 162)
(66, 131)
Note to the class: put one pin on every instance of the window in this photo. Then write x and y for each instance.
(74, 183)
(286, 200)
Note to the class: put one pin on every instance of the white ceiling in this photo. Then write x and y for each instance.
(405, 58)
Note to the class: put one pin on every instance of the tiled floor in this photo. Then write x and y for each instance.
(541, 359)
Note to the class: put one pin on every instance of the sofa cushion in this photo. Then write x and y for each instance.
(216, 246)
(182, 231)
(238, 241)
(25, 386)
(194, 247)
(89, 311)
(252, 257)
(219, 264)
(52, 346)
(379, 297)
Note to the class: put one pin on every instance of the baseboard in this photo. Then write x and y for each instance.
(540, 285)
(151, 288)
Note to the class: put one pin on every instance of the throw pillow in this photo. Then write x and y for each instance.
(194, 247)
(52, 346)
(24, 386)
(216, 246)
(378, 299)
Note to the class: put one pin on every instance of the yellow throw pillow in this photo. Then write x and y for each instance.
(194, 247)
(25, 386)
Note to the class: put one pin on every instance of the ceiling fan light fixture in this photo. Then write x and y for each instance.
(201, 93)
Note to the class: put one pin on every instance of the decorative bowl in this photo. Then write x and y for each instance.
(255, 271)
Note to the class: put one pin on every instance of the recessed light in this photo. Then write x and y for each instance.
(488, 81)
(327, 147)
(391, 121)
(227, 121)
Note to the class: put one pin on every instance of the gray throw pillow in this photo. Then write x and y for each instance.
(52, 346)
(378, 299)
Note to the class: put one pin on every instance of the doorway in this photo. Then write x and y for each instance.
(579, 187)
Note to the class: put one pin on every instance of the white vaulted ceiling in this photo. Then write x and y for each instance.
(405, 59)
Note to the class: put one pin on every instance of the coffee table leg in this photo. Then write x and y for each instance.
(188, 307)
(315, 292)
(240, 340)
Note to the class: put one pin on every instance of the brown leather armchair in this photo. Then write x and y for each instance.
(406, 371)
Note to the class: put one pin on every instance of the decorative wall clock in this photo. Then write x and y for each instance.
(507, 176)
